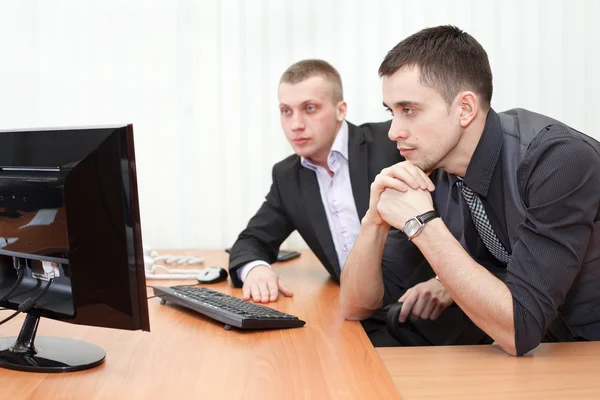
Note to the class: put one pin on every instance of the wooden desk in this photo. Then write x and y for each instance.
(187, 356)
(552, 371)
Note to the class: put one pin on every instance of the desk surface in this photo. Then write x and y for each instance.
(189, 356)
(552, 371)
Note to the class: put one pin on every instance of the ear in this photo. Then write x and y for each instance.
(469, 107)
(340, 111)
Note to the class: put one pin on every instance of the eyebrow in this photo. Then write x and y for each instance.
(403, 103)
(309, 101)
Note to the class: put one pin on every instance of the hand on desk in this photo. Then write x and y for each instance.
(263, 285)
(427, 300)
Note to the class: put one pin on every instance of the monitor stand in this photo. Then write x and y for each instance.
(48, 353)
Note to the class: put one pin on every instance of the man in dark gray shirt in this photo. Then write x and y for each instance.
(517, 192)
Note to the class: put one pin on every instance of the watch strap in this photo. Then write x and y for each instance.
(428, 216)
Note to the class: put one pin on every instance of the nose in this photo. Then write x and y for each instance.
(297, 122)
(398, 131)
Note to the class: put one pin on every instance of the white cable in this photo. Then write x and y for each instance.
(156, 267)
(152, 258)
(170, 277)
(171, 259)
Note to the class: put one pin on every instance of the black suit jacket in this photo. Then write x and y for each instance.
(294, 202)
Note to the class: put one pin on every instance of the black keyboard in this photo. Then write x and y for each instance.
(227, 309)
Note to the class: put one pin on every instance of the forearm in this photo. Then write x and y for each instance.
(361, 281)
(482, 296)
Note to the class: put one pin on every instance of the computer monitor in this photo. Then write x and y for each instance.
(70, 241)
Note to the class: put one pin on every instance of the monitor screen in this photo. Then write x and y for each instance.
(70, 228)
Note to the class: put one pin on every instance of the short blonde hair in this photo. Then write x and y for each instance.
(305, 69)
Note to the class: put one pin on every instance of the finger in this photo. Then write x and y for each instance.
(284, 289)
(404, 296)
(409, 302)
(383, 182)
(409, 174)
(374, 194)
(428, 309)
(400, 174)
(426, 179)
(264, 292)
(246, 292)
(394, 183)
(437, 311)
(419, 306)
(255, 292)
(273, 289)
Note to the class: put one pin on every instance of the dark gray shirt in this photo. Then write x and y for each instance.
(557, 183)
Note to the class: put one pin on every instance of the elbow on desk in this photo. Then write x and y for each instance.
(524, 346)
(516, 345)
(510, 348)
(353, 313)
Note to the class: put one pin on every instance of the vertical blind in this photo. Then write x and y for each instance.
(198, 79)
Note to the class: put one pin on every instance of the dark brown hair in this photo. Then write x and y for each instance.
(449, 60)
(305, 69)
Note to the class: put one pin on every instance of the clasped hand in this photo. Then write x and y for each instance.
(399, 193)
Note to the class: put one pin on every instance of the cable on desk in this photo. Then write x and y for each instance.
(10, 317)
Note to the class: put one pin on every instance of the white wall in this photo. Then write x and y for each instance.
(198, 80)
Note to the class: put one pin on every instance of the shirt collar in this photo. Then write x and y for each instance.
(340, 146)
(484, 159)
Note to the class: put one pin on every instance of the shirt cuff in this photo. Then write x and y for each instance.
(245, 269)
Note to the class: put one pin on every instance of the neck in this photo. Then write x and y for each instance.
(321, 159)
(458, 160)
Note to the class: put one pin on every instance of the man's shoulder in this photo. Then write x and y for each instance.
(371, 129)
(547, 131)
(375, 135)
(288, 165)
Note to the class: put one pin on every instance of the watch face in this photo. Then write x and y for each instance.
(412, 227)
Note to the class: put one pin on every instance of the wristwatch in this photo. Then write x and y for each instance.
(415, 225)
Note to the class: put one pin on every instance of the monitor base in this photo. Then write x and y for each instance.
(47, 353)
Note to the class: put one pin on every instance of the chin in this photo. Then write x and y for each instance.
(303, 153)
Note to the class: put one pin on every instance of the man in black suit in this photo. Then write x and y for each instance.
(322, 191)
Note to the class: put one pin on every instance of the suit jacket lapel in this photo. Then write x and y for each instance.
(316, 213)
(358, 168)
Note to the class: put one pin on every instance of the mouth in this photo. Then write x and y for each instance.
(301, 141)
(405, 151)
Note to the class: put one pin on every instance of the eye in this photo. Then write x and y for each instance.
(311, 108)
(407, 111)
(285, 111)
